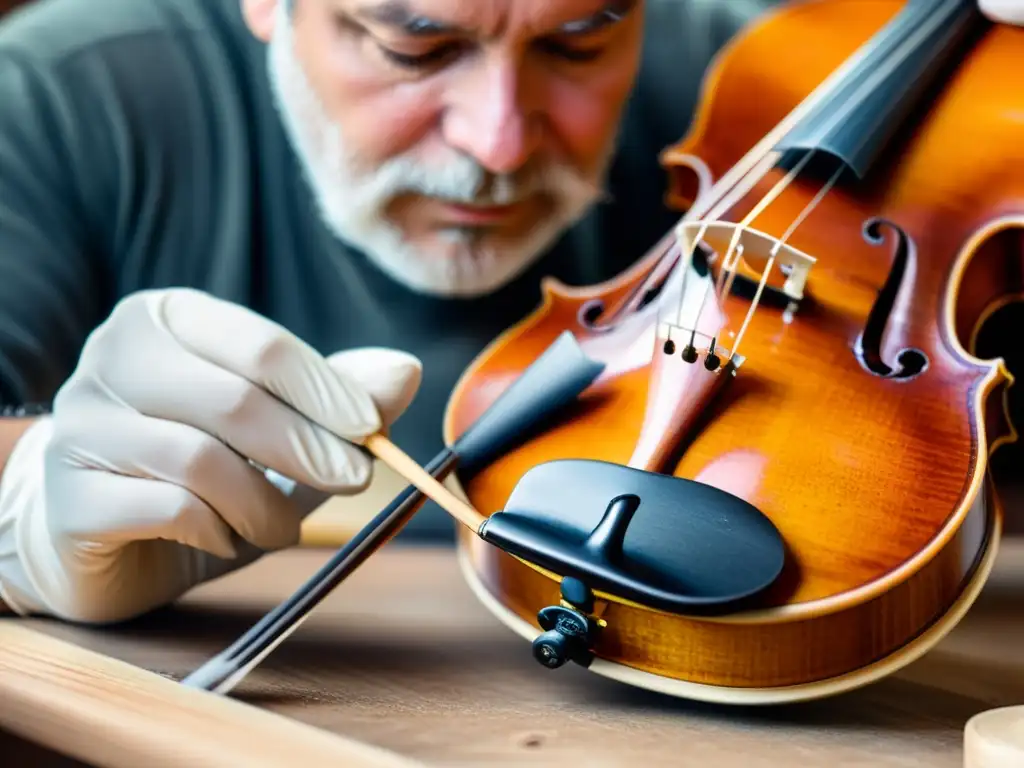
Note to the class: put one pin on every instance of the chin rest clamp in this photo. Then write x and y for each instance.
(570, 631)
(664, 543)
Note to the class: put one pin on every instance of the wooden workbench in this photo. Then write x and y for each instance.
(404, 657)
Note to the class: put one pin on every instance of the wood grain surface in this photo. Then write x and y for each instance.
(402, 656)
(121, 715)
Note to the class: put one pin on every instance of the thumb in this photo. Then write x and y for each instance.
(392, 378)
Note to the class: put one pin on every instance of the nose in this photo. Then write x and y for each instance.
(490, 119)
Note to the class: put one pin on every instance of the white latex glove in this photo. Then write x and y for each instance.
(138, 487)
(1003, 11)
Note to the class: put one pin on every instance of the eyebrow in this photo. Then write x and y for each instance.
(398, 15)
(612, 13)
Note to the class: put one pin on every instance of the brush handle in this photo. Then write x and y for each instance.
(401, 463)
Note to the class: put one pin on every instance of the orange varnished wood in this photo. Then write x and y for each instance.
(870, 480)
(756, 654)
(682, 394)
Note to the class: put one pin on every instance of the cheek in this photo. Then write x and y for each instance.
(383, 122)
(581, 121)
(583, 115)
(378, 117)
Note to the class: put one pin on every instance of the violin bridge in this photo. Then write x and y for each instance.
(728, 238)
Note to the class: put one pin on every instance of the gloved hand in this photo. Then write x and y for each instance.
(1003, 11)
(139, 485)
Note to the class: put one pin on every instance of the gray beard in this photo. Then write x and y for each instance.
(351, 199)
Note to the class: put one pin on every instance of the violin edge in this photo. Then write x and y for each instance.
(691, 683)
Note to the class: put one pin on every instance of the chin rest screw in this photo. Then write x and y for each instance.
(569, 633)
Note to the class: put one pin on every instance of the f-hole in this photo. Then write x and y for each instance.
(868, 349)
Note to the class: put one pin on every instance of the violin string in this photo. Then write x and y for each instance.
(731, 273)
(761, 159)
(736, 193)
(826, 188)
(730, 189)
(907, 47)
(807, 209)
(739, 191)
(732, 258)
(685, 266)
(730, 262)
(703, 302)
(730, 198)
(755, 302)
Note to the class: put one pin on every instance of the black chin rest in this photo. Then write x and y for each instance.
(664, 542)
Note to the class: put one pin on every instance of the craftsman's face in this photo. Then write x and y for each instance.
(452, 140)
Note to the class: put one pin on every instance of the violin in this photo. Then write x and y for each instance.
(777, 488)
(754, 467)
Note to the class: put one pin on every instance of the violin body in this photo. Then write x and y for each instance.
(860, 422)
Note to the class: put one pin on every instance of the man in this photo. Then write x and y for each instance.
(350, 187)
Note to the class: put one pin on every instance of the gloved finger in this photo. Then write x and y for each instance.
(166, 382)
(1003, 11)
(109, 511)
(159, 541)
(257, 349)
(128, 443)
(392, 378)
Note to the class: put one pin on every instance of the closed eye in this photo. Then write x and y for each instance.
(568, 52)
(430, 58)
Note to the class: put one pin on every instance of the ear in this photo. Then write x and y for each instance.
(260, 15)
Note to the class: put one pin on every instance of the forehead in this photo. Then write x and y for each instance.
(492, 18)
